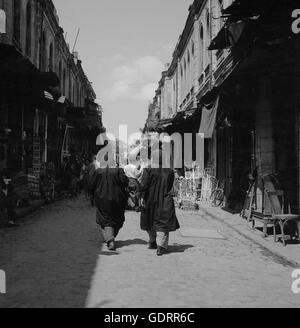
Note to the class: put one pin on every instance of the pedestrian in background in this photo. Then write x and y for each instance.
(133, 174)
(108, 186)
(84, 173)
(158, 215)
(7, 201)
(92, 168)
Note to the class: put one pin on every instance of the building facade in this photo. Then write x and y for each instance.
(237, 64)
(47, 103)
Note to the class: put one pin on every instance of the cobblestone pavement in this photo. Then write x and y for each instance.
(55, 259)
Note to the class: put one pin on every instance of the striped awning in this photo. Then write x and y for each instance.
(48, 95)
(51, 97)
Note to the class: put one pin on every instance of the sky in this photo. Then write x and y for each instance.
(123, 45)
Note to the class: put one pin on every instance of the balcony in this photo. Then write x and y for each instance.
(220, 56)
(201, 79)
(207, 70)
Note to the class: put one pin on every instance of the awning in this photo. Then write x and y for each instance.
(208, 119)
(228, 36)
(221, 41)
(28, 81)
(241, 9)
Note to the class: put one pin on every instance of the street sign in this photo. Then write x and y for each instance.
(2, 21)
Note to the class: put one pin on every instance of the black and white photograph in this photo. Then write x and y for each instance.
(149, 157)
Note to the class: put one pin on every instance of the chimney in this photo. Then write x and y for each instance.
(75, 55)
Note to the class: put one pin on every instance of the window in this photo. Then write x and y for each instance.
(28, 29)
(43, 53)
(70, 88)
(60, 74)
(201, 46)
(188, 57)
(64, 83)
(221, 7)
(208, 37)
(208, 25)
(193, 48)
(74, 94)
(50, 67)
(78, 94)
(17, 20)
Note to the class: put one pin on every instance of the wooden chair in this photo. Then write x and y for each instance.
(279, 217)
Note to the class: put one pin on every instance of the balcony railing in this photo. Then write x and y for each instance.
(207, 70)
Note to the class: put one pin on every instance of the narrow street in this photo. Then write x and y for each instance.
(56, 259)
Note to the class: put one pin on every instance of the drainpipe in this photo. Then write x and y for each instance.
(22, 139)
(210, 37)
(46, 138)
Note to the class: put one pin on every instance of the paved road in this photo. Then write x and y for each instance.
(56, 259)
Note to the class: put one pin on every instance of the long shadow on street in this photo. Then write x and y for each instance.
(50, 259)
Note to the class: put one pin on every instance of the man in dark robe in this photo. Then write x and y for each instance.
(158, 216)
(108, 187)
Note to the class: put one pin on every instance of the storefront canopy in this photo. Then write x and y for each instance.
(208, 119)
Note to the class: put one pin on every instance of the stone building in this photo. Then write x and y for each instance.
(47, 103)
(235, 78)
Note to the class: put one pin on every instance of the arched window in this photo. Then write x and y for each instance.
(221, 7)
(77, 94)
(60, 74)
(208, 37)
(208, 25)
(70, 89)
(189, 71)
(17, 20)
(50, 66)
(43, 53)
(201, 46)
(28, 29)
(64, 83)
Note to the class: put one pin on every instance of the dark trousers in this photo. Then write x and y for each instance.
(109, 234)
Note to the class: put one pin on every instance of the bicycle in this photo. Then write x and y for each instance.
(218, 195)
